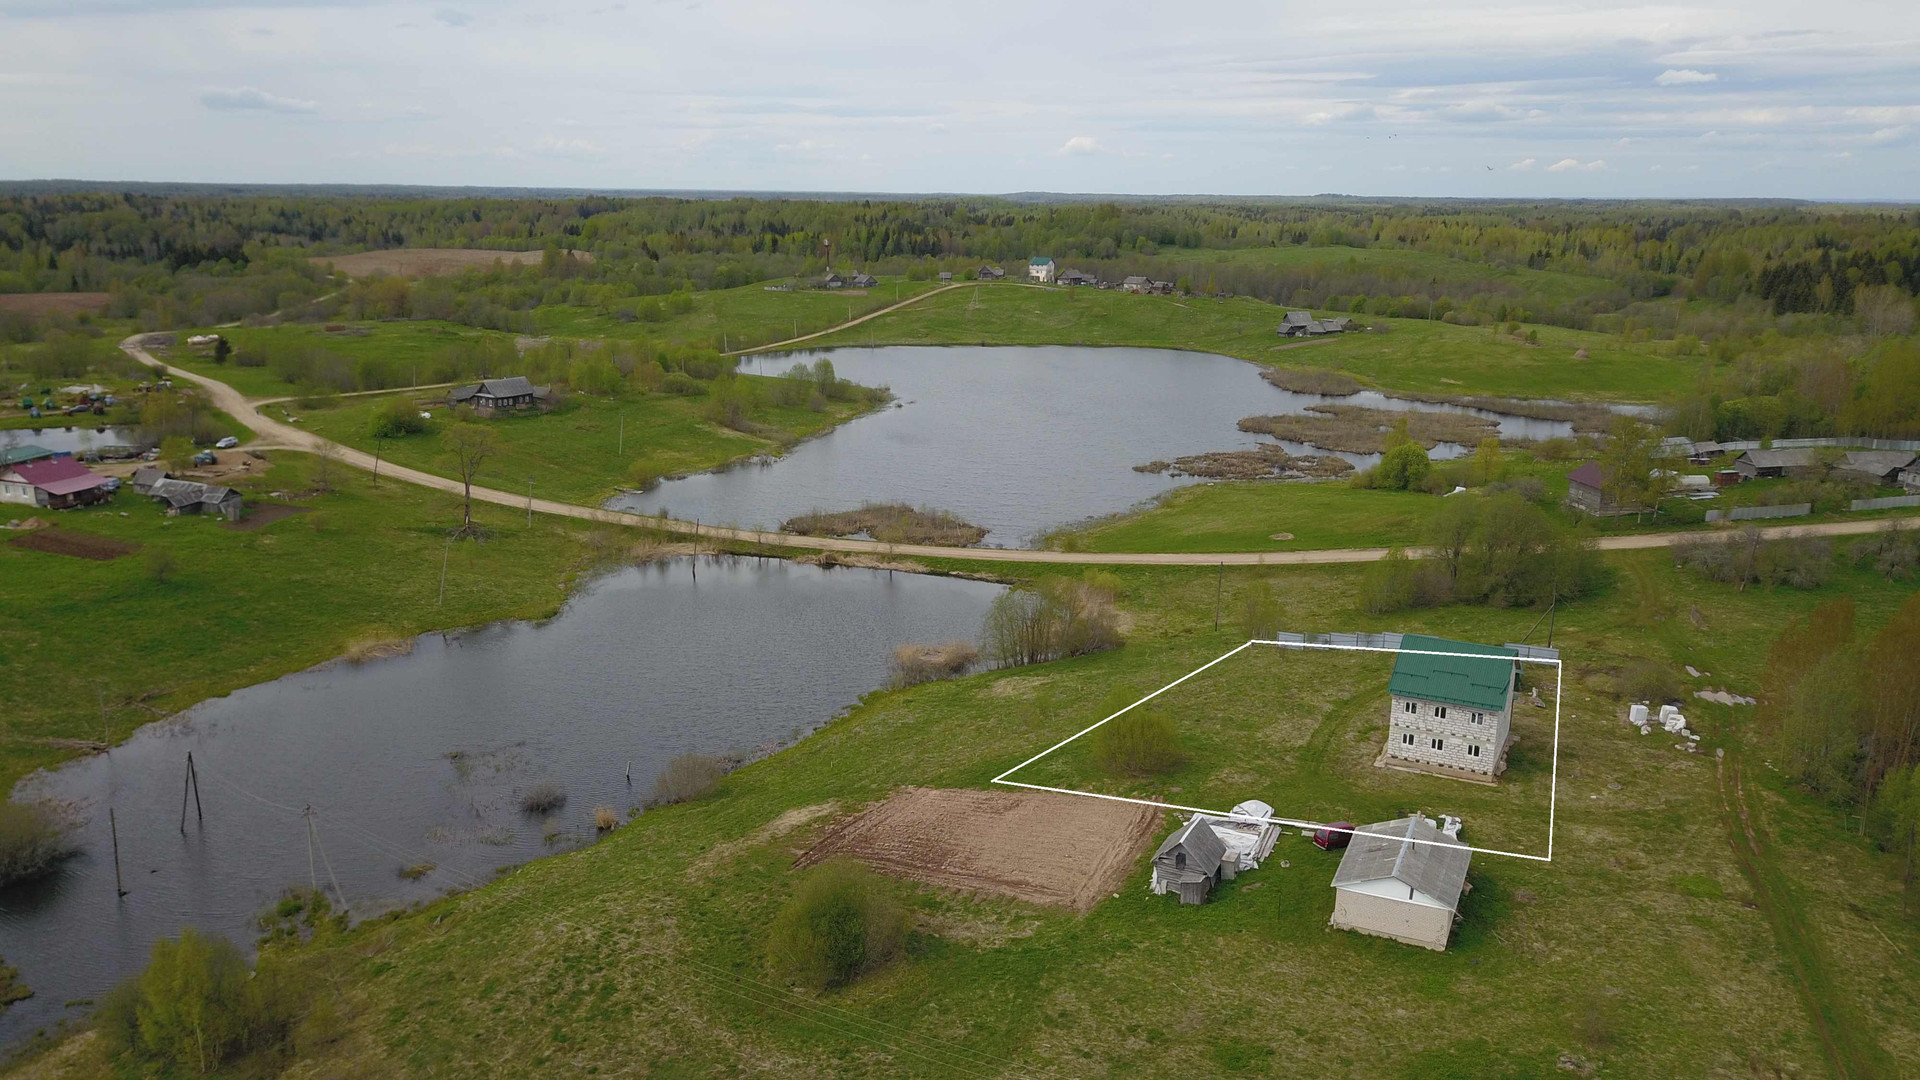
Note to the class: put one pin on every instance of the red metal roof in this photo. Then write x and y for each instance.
(58, 476)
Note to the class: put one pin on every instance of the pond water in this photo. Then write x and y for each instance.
(422, 758)
(1017, 440)
(68, 440)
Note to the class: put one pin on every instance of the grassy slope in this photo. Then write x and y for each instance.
(645, 948)
(245, 606)
(404, 341)
(1534, 285)
(736, 318)
(577, 453)
(1410, 355)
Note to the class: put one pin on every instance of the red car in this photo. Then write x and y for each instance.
(1333, 837)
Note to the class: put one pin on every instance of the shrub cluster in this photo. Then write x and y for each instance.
(196, 1007)
(841, 923)
(32, 841)
(1494, 549)
(916, 664)
(1750, 558)
(1055, 619)
(686, 778)
(1138, 743)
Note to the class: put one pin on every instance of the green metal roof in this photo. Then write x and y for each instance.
(14, 455)
(1453, 680)
(1040, 260)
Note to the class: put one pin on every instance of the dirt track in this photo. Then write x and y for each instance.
(1034, 846)
(276, 435)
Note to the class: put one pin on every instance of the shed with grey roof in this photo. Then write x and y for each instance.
(1402, 879)
(1880, 466)
(511, 392)
(1761, 463)
(1191, 860)
(191, 497)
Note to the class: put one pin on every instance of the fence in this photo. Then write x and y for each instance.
(1707, 449)
(1888, 503)
(1750, 513)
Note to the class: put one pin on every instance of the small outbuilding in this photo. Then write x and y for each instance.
(1759, 464)
(1076, 277)
(25, 452)
(192, 497)
(1879, 466)
(1402, 879)
(1191, 860)
(865, 281)
(991, 273)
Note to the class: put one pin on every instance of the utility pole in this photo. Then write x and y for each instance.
(529, 500)
(622, 452)
(106, 733)
(113, 829)
(378, 442)
(445, 549)
(190, 782)
(1219, 584)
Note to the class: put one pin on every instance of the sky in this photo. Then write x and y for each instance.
(1730, 98)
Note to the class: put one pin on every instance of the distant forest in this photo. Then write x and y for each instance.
(1802, 314)
(244, 253)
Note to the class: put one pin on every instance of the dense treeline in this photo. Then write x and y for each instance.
(207, 251)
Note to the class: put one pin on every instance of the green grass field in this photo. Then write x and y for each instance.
(1401, 354)
(739, 318)
(645, 950)
(578, 453)
(1417, 267)
(406, 343)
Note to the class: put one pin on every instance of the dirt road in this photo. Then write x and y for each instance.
(889, 309)
(275, 435)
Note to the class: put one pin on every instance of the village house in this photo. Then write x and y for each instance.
(865, 281)
(1763, 464)
(1402, 879)
(25, 452)
(946, 275)
(1303, 324)
(1910, 479)
(1450, 715)
(1040, 269)
(991, 273)
(1075, 277)
(1586, 491)
(833, 281)
(1191, 860)
(187, 496)
(1879, 466)
(492, 395)
(56, 483)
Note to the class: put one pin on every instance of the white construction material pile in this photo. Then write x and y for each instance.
(1244, 834)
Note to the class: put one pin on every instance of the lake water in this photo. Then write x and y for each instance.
(642, 666)
(69, 440)
(1016, 440)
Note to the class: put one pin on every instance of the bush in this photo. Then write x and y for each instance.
(1054, 620)
(841, 923)
(32, 841)
(543, 797)
(396, 419)
(686, 778)
(1749, 558)
(1403, 468)
(1649, 681)
(1262, 614)
(197, 1007)
(161, 565)
(1138, 743)
(1397, 583)
(681, 383)
(916, 664)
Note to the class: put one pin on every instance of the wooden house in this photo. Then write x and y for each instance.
(57, 483)
(493, 395)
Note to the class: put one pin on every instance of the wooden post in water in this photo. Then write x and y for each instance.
(113, 830)
(191, 781)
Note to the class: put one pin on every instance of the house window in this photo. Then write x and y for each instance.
(1439, 744)
(1473, 749)
(1179, 860)
(1407, 738)
(1440, 712)
(1477, 718)
(1411, 707)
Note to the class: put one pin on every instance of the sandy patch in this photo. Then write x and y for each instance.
(1037, 846)
(773, 830)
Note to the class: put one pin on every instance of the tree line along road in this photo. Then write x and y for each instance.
(276, 435)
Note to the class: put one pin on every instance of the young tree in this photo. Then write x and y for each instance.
(470, 445)
(1628, 464)
(1893, 692)
(177, 452)
(1897, 808)
(1452, 530)
(1488, 466)
(221, 350)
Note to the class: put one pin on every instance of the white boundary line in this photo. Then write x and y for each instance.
(1553, 788)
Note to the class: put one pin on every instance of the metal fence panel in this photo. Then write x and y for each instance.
(1888, 503)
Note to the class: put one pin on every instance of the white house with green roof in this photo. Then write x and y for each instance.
(1451, 715)
(1040, 268)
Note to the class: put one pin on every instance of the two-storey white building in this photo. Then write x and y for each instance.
(1040, 268)
(1451, 715)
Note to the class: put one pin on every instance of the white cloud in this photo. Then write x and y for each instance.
(247, 97)
(1080, 144)
(1685, 77)
(1576, 165)
(1523, 165)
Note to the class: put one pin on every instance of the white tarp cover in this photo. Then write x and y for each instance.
(1252, 841)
